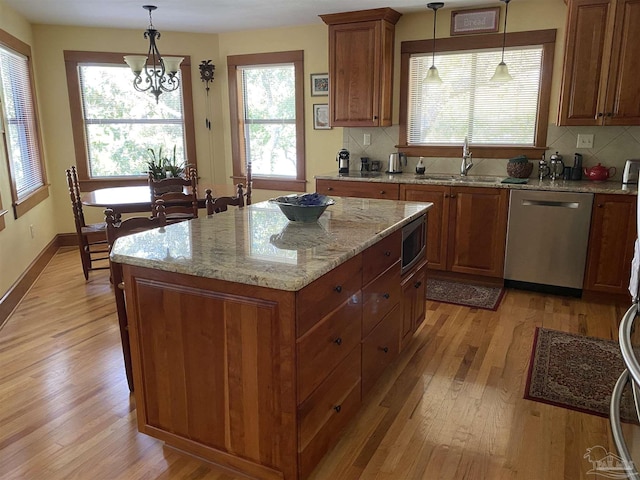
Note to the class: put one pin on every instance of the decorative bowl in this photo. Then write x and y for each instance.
(303, 208)
(519, 169)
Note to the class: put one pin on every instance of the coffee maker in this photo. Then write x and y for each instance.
(343, 161)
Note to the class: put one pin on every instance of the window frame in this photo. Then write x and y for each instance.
(238, 151)
(72, 59)
(546, 38)
(23, 205)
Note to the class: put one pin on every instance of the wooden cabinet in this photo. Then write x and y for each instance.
(361, 46)
(346, 188)
(611, 240)
(467, 226)
(600, 78)
(414, 288)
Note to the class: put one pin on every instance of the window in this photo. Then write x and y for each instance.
(20, 125)
(114, 125)
(267, 119)
(500, 120)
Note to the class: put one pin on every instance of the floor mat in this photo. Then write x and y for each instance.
(467, 294)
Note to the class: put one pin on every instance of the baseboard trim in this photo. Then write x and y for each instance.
(12, 298)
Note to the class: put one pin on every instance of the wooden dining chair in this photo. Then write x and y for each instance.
(221, 204)
(117, 228)
(92, 238)
(180, 196)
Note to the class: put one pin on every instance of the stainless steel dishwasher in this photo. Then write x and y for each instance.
(547, 237)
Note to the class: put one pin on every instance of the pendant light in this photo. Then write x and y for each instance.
(502, 72)
(432, 73)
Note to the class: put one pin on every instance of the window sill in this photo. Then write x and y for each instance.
(24, 205)
(91, 184)
(2, 214)
(478, 151)
(265, 183)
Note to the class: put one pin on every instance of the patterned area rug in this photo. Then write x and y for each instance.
(576, 372)
(469, 295)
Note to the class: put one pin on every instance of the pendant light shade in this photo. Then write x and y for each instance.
(432, 75)
(502, 71)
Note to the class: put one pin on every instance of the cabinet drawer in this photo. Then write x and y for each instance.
(379, 297)
(377, 258)
(341, 188)
(327, 344)
(380, 348)
(327, 411)
(325, 294)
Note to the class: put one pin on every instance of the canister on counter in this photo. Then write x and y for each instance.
(566, 173)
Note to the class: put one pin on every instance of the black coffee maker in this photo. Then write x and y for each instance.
(343, 161)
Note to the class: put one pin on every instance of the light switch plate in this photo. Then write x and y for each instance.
(367, 139)
(585, 141)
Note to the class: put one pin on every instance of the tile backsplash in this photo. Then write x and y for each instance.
(611, 147)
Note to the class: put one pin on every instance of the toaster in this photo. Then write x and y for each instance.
(630, 174)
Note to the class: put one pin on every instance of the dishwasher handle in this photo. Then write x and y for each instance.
(549, 203)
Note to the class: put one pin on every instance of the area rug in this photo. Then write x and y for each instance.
(467, 294)
(576, 372)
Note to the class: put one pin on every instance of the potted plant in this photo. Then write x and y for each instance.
(162, 166)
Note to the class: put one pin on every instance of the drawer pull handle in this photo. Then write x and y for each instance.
(418, 284)
(338, 341)
(382, 192)
(337, 408)
(338, 288)
(387, 253)
(386, 295)
(329, 188)
(385, 349)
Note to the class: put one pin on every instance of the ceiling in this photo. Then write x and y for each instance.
(204, 16)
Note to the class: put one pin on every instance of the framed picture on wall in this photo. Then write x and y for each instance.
(319, 84)
(477, 20)
(321, 116)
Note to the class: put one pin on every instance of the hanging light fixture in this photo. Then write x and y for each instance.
(152, 71)
(432, 74)
(502, 72)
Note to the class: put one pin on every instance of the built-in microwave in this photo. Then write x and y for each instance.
(414, 242)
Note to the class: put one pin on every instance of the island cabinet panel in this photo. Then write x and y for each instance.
(328, 411)
(414, 289)
(345, 188)
(325, 294)
(214, 369)
(327, 344)
(611, 239)
(379, 297)
(381, 256)
(380, 348)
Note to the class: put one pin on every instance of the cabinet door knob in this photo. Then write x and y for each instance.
(446, 195)
(387, 253)
(375, 117)
(417, 284)
(338, 341)
(338, 288)
(609, 114)
(329, 188)
(385, 349)
(386, 295)
(600, 205)
(600, 114)
(337, 408)
(453, 195)
(382, 192)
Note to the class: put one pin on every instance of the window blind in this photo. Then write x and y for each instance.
(467, 104)
(20, 123)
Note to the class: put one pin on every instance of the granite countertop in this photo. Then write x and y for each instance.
(257, 245)
(587, 186)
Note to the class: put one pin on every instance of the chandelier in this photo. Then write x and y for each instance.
(152, 72)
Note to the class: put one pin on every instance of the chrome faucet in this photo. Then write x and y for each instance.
(467, 163)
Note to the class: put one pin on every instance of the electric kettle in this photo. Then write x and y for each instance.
(395, 162)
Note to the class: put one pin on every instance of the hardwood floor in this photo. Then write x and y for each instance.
(450, 407)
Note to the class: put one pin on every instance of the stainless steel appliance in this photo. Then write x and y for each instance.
(343, 161)
(556, 166)
(395, 162)
(630, 173)
(547, 236)
(414, 241)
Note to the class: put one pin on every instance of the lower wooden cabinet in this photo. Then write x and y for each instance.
(466, 229)
(414, 289)
(611, 240)
(380, 347)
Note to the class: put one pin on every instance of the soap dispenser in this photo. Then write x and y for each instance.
(420, 168)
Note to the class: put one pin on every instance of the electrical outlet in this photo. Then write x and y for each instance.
(585, 141)
(367, 139)
(32, 231)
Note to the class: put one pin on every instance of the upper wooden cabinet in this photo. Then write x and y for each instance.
(361, 46)
(600, 79)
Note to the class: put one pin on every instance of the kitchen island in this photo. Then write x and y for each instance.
(254, 339)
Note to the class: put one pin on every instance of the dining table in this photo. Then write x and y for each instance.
(137, 198)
